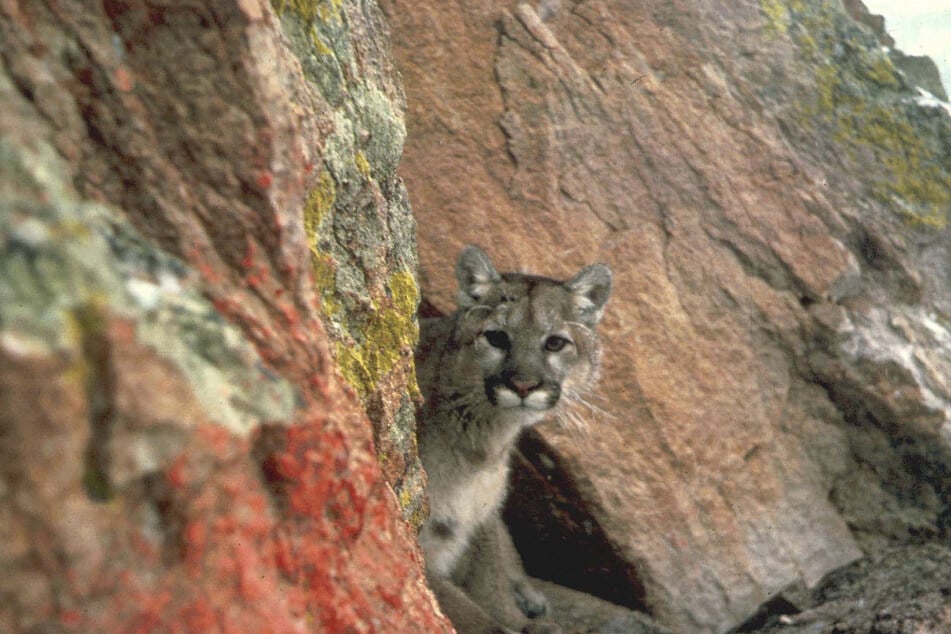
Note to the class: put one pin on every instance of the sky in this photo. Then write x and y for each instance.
(919, 27)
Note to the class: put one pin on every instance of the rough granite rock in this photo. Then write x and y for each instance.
(773, 197)
(897, 590)
(177, 449)
(919, 70)
(359, 226)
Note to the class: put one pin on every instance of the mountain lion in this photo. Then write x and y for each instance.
(519, 348)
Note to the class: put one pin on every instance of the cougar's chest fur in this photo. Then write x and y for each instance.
(464, 490)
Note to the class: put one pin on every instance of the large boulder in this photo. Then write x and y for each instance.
(197, 230)
(773, 198)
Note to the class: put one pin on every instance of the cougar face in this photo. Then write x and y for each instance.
(526, 341)
(525, 347)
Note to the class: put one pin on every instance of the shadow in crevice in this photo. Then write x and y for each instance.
(557, 536)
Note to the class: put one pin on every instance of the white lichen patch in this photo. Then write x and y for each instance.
(926, 100)
(908, 352)
(67, 266)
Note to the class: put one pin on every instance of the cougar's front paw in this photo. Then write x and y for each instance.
(530, 601)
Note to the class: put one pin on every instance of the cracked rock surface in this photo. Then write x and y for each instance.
(194, 222)
(773, 196)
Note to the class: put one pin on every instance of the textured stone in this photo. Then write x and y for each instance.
(897, 590)
(876, 23)
(771, 195)
(179, 451)
(358, 223)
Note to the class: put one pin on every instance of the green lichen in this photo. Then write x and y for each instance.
(385, 130)
(319, 203)
(61, 258)
(320, 39)
(859, 102)
(363, 165)
(309, 10)
(87, 323)
(388, 334)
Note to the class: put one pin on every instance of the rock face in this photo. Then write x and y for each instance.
(773, 198)
(904, 589)
(918, 70)
(208, 287)
(199, 221)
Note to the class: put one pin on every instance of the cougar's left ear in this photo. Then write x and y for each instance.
(476, 276)
(590, 290)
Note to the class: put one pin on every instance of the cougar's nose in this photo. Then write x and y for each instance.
(523, 387)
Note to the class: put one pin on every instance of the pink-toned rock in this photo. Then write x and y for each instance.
(689, 146)
(179, 452)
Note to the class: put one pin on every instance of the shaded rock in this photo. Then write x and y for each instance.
(921, 71)
(557, 534)
(860, 13)
(580, 613)
(771, 195)
(897, 590)
(179, 451)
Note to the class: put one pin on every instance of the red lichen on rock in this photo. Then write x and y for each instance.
(237, 565)
(146, 512)
(305, 539)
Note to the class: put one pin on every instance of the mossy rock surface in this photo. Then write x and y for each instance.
(870, 109)
(360, 228)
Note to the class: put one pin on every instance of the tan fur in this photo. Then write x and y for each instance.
(519, 348)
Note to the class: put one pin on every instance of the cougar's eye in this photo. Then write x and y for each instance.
(556, 343)
(497, 339)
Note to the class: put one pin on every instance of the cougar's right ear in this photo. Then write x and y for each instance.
(475, 274)
(590, 290)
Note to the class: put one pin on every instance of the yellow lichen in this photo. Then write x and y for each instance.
(404, 292)
(306, 10)
(328, 11)
(777, 15)
(325, 278)
(915, 184)
(318, 43)
(388, 330)
(882, 72)
(73, 336)
(408, 500)
(319, 202)
(363, 165)
(388, 334)
(310, 10)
